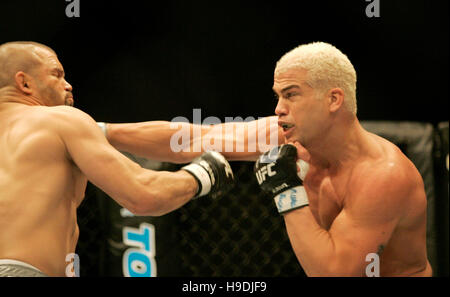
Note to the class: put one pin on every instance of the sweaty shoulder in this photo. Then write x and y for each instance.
(27, 132)
(62, 115)
(46, 126)
(385, 176)
(49, 118)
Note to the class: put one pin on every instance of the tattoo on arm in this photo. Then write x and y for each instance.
(380, 249)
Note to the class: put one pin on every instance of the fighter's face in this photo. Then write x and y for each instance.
(52, 87)
(300, 113)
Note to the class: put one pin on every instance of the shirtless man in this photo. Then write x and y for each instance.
(48, 152)
(361, 198)
(372, 198)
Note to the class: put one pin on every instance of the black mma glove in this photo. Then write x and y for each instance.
(213, 174)
(276, 172)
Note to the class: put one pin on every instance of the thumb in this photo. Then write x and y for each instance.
(302, 153)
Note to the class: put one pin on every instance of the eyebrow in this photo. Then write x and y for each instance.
(59, 70)
(289, 88)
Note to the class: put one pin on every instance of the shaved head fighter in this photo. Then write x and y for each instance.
(49, 151)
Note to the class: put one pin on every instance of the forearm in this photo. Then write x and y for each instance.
(246, 141)
(182, 142)
(165, 192)
(146, 139)
(314, 246)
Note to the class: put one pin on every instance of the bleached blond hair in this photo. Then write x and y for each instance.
(326, 67)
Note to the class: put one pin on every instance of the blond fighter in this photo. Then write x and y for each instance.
(361, 195)
(362, 199)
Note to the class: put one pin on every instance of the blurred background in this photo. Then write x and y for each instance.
(131, 61)
(145, 60)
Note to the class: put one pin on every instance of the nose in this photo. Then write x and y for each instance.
(281, 108)
(68, 87)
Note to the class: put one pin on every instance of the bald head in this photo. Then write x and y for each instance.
(18, 56)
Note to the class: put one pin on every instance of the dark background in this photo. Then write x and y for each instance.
(132, 61)
(145, 60)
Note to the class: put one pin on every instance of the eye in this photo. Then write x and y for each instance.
(57, 73)
(291, 94)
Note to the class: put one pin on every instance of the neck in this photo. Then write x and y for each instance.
(339, 145)
(12, 95)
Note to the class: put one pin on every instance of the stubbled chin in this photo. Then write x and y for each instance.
(292, 138)
(69, 102)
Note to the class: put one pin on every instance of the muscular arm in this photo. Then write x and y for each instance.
(142, 191)
(181, 142)
(366, 222)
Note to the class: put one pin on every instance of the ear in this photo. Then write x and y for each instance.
(23, 82)
(336, 99)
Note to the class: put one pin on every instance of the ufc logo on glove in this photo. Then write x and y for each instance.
(280, 179)
(265, 170)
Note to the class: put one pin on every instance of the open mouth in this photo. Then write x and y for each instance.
(288, 129)
(286, 126)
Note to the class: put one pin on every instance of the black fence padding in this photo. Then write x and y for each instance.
(416, 142)
(166, 248)
(442, 198)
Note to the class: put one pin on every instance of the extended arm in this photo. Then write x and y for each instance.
(142, 191)
(181, 142)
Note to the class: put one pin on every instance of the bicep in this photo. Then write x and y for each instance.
(355, 238)
(361, 229)
(103, 165)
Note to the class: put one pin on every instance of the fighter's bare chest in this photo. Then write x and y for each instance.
(325, 198)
